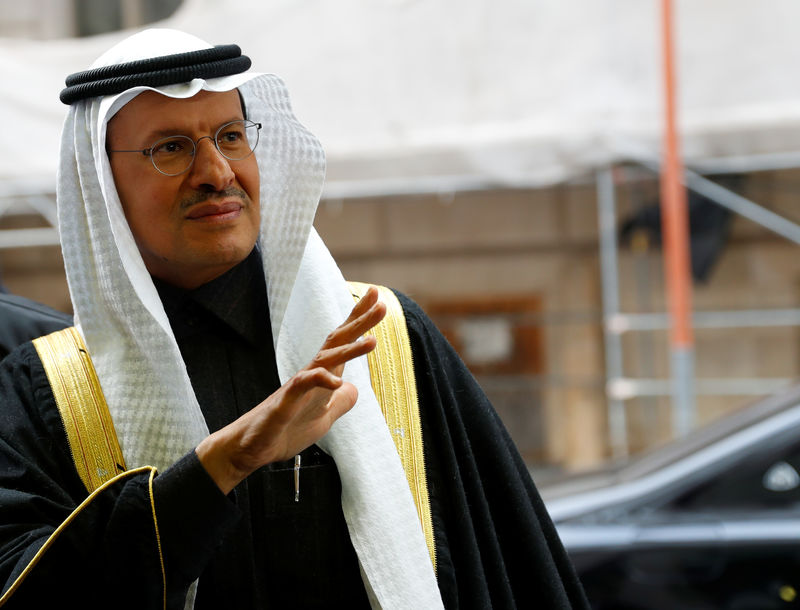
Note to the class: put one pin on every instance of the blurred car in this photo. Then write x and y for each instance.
(708, 522)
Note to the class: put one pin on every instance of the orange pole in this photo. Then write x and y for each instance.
(674, 205)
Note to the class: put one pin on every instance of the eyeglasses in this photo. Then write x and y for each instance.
(174, 155)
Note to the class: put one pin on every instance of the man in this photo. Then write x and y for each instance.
(187, 193)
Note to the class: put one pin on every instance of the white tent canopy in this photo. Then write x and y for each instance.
(413, 95)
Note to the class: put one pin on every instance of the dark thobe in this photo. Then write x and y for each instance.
(280, 553)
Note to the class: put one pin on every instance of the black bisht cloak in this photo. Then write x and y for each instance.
(22, 319)
(499, 546)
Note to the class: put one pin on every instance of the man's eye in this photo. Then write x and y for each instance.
(169, 147)
(230, 136)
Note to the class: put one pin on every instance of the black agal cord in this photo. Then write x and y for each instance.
(222, 60)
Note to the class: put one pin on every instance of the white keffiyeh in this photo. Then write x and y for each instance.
(123, 322)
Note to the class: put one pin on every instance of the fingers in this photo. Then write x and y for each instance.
(307, 380)
(336, 357)
(314, 396)
(364, 303)
(366, 314)
(308, 391)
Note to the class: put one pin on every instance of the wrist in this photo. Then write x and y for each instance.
(215, 454)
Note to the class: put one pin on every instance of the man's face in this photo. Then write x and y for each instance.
(193, 227)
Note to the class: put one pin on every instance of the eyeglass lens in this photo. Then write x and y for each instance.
(235, 141)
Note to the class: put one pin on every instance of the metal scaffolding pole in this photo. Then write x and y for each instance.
(733, 201)
(607, 230)
(752, 318)
(744, 207)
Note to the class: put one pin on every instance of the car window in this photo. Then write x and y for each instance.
(770, 480)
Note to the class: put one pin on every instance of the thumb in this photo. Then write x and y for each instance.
(342, 400)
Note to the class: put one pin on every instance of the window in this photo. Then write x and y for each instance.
(770, 479)
(500, 340)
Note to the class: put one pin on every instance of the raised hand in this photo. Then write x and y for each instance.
(301, 411)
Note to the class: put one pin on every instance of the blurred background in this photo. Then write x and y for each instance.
(498, 161)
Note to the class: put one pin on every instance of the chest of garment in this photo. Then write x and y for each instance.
(282, 553)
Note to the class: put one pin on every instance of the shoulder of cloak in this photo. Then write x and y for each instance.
(23, 319)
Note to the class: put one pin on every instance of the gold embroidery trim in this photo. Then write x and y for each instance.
(59, 530)
(79, 397)
(392, 373)
(158, 538)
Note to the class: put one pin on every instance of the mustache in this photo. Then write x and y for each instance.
(200, 197)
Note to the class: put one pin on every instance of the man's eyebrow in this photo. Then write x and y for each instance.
(157, 134)
(160, 133)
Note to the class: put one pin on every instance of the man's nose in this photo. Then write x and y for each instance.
(210, 170)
